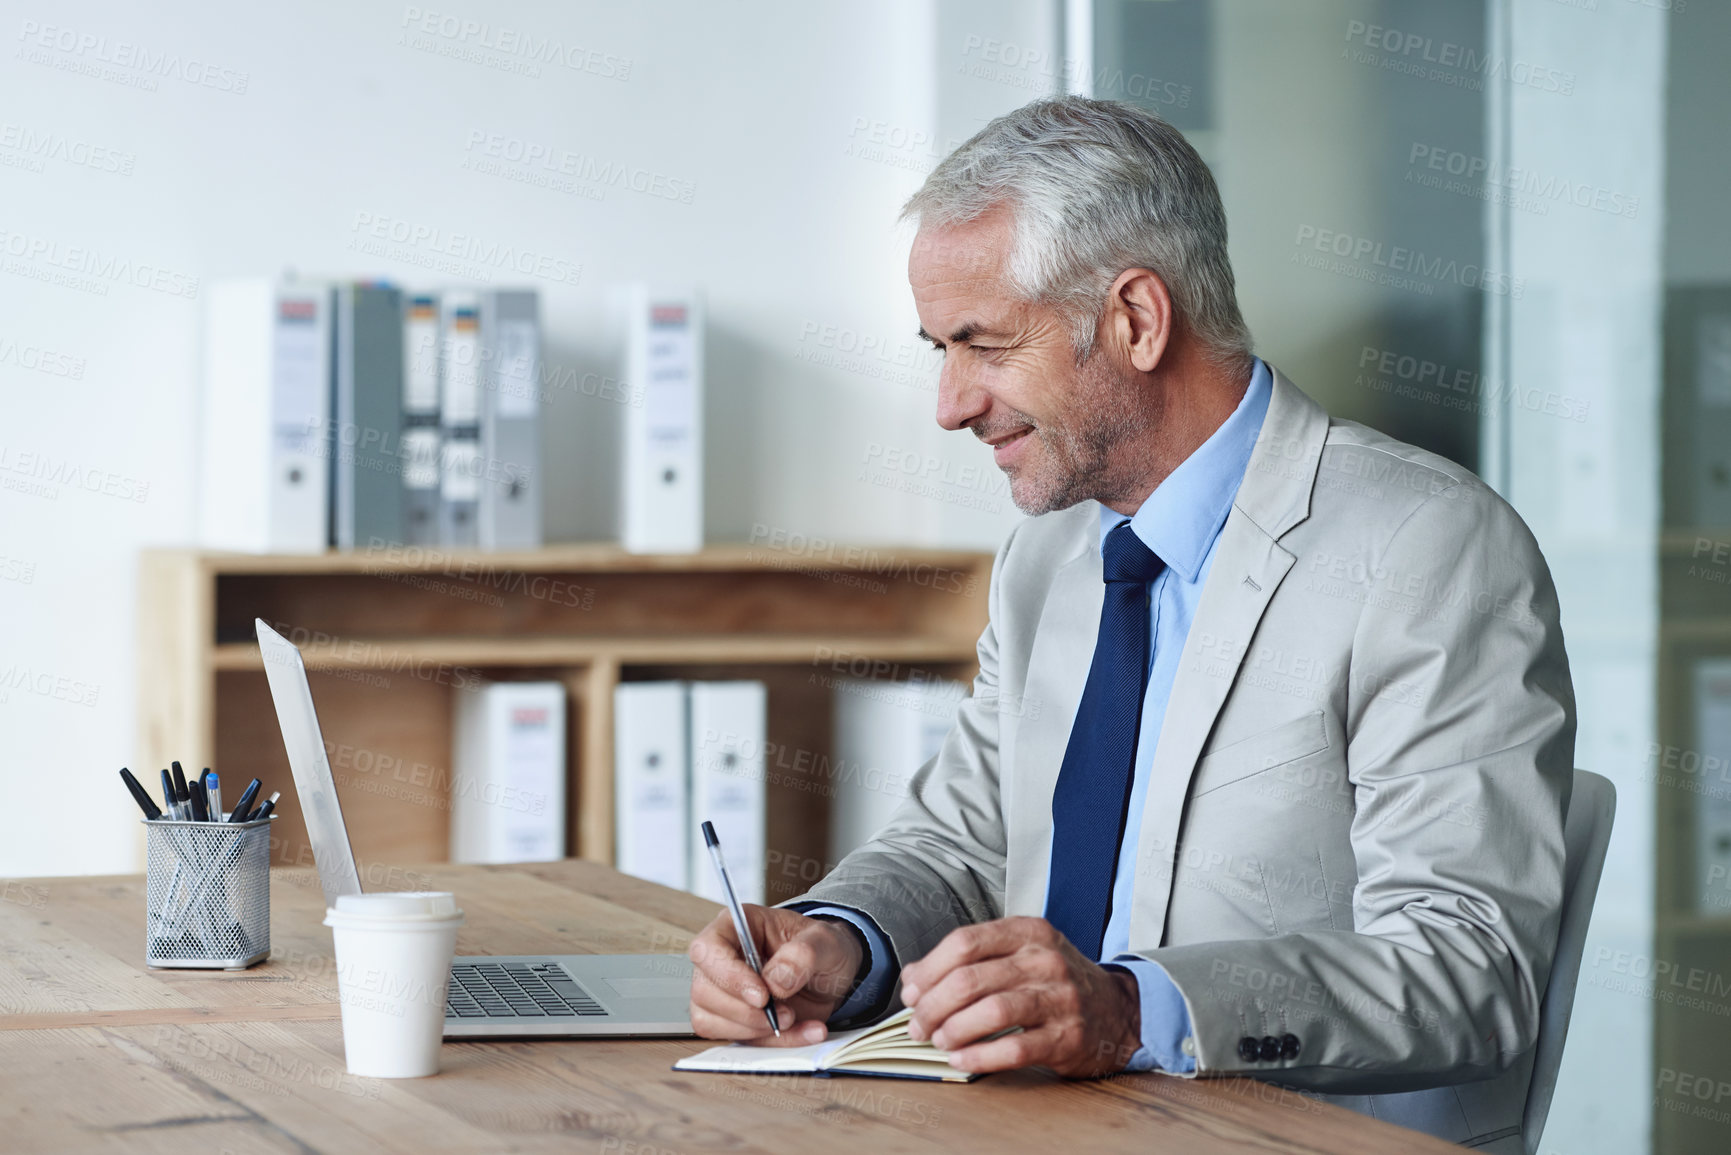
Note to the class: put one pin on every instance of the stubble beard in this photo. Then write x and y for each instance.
(1075, 459)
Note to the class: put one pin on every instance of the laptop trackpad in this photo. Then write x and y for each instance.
(649, 987)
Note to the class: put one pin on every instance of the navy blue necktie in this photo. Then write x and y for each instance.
(1092, 796)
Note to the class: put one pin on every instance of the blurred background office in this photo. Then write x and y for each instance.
(1491, 227)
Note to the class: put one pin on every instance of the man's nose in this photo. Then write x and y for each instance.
(960, 399)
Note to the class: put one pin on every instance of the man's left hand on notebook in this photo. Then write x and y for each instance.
(809, 965)
(1077, 1018)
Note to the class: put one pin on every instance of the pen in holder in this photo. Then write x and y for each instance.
(207, 893)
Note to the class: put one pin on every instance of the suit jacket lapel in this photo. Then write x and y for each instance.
(1248, 567)
(1057, 672)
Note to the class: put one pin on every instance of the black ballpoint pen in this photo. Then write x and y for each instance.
(180, 794)
(265, 810)
(168, 806)
(244, 802)
(195, 796)
(139, 795)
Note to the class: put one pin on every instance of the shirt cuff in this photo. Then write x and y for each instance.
(870, 997)
(1168, 1043)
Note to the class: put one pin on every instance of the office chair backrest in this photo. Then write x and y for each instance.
(1586, 833)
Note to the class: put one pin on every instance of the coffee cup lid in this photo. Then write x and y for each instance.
(410, 904)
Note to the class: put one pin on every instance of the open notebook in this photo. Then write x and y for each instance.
(884, 1050)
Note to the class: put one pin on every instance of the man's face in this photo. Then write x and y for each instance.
(1010, 372)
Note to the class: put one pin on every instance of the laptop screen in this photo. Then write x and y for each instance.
(287, 675)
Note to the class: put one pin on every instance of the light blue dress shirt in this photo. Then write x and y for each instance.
(1181, 523)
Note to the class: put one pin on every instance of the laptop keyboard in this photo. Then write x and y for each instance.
(516, 991)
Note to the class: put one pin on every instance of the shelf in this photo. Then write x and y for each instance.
(588, 616)
(396, 653)
(885, 561)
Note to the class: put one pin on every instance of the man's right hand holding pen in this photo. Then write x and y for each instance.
(810, 966)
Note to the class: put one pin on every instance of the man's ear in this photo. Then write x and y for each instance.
(1139, 315)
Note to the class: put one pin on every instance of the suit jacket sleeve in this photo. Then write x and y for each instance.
(1460, 728)
(939, 864)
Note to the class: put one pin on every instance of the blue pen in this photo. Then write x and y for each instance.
(214, 787)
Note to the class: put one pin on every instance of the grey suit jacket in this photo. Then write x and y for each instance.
(1354, 827)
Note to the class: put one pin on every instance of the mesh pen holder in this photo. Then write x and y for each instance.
(207, 893)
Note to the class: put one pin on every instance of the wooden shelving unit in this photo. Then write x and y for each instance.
(390, 635)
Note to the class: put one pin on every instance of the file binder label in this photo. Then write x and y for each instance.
(509, 514)
(668, 393)
(298, 372)
(300, 397)
(421, 358)
(508, 792)
(421, 421)
(462, 357)
(519, 368)
(460, 415)
(534, 757)
(663, 456)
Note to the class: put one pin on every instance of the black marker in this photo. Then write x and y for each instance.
(195, 797)
(238, 814)
(139, 795)
(264, 811)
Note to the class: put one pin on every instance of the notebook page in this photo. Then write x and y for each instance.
(770, 1060)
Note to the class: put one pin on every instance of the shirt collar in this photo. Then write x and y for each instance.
(1184, 514)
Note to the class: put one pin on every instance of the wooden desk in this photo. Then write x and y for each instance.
(98, 1053)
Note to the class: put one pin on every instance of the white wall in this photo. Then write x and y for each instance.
(802, 127)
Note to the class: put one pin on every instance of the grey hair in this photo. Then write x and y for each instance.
(1096, 187)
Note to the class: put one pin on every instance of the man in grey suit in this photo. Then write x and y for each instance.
(1265, 768)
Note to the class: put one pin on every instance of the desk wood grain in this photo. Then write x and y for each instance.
(98, 1053)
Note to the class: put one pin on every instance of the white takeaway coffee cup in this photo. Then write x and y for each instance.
(394, 954)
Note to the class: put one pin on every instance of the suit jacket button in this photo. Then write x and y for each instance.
(1248, 1049)
(1289, 1046)
(1269, 1050)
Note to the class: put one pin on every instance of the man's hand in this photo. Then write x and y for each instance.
(1077, 1018)
(808, 965)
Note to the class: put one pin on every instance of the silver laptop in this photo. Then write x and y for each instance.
(510, 995)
